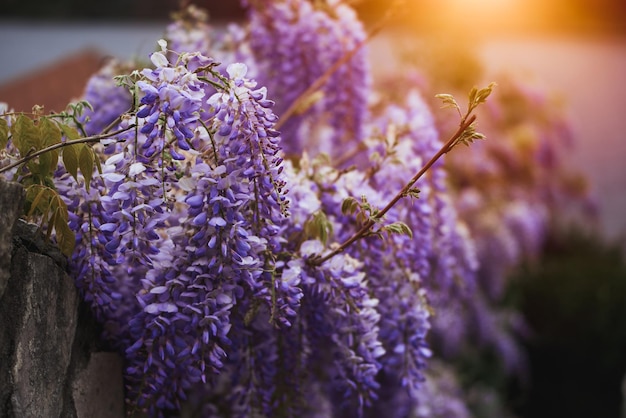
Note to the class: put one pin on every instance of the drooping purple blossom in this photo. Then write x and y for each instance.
(186, 254)
(232, 211)
(108, 99)
(296, 41)
(190, 32)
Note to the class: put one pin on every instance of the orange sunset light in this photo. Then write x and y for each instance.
(489, 17)
(481, 17)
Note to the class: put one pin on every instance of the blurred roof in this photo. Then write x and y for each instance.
(52, 86)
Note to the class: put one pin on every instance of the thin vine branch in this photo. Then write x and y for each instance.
(88, 139)
(465, 124)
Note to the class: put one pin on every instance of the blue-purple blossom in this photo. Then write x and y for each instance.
(172, 100)
(346, 318)
(294, 42)
(231, 212)
(108, 99)
(190, 32)
(196, 245)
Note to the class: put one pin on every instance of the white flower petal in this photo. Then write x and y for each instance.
(114, 177)
(159, 60)
(114, 159)
(163, 44)
(136, 168)
(237, 70)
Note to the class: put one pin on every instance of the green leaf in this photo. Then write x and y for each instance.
(399, 228)
(476, 96)
(51, 222)
(99, 165)
(86, 162)
(60, 205)
(49, 132)
(413, 192)
(37, 203)
(482, 94)
(70, 159)
(66, 239)
(50, 135)
(47, 163)
(37, 198)
(472, 95)
(318, 226)
(349, 205)
(448, 101)
(25, 135)
(69, 131)
(469, 136)
(4, 133)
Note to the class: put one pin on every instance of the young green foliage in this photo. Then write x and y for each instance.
(44, 203)
(38, 140)
(70, 159)
(350, 205)
(469, 136)
(413, 192)
(86, 159)
(449, 102)
(318, 226)
(4, 133)
(25, 135)
(478, 96)
(50, 135)
(365, 213)
(399, 228)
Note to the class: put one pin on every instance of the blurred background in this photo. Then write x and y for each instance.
(574, 51)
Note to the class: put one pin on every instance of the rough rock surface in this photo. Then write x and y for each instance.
(11, 200)
(51, 363)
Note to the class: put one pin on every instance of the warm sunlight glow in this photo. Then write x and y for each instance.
(480, 17)
(484, 13)
(490, 6)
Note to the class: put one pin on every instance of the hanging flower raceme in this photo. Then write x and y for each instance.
(345, 318)
(189, 32)
(108, 100)
(172, 99)
(294, 42)
(221, 232)
(215, 281)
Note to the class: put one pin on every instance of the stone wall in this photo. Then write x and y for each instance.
(51, 361)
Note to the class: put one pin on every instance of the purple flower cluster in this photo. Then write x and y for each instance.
(347, 317)
(190, 32)
(217, 258)
(398, 271)
(180, 227)
(172, 100)
(294, 42)
(108, 99)
(197, 244)
(447, 260)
